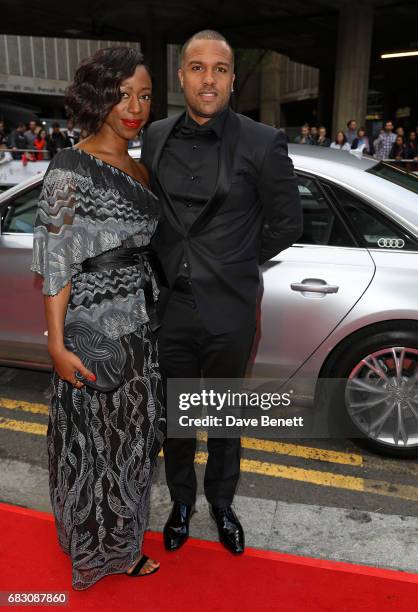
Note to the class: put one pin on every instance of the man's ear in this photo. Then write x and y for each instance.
(181, 76)
(233, 81)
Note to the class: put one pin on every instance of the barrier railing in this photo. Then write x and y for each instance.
(388, 159)
(24, 150)
(402, 161)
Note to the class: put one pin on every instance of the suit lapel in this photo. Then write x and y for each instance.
(161, 138)
(223, 183)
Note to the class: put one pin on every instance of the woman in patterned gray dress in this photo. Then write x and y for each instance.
(102, 446)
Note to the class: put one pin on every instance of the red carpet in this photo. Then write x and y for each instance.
(202, 576)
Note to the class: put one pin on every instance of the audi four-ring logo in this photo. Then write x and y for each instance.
(391, 243)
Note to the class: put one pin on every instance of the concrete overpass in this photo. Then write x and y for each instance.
(342, 38)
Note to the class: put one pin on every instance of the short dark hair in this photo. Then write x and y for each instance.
(95, 89)
(205, 35)
(351, 121)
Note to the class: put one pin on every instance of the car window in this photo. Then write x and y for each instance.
(376, 230)
(21, 213)
(320, 223)
(395, 175)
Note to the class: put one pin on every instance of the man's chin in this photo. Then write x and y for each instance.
(207, 113)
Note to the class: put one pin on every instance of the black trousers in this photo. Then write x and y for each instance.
(187, 350)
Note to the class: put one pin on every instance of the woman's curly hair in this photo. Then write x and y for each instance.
(96, 86)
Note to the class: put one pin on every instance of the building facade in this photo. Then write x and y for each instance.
(35, 71)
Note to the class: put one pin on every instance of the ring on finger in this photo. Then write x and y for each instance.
(78, 376)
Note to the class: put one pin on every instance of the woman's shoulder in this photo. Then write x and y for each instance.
(75, 165)
(66, 160)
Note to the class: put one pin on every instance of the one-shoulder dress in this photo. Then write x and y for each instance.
(102, 447)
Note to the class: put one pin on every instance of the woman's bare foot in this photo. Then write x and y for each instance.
(149, 566)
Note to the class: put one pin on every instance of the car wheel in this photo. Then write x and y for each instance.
(376, 394)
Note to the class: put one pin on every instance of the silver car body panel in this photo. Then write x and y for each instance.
(298, 321)
(13, 172)
(392, 295)
(24, 313)
(298, 329)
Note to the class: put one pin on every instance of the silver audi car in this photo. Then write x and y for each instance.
(341, 304)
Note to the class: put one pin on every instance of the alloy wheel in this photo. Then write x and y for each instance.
(382, 396)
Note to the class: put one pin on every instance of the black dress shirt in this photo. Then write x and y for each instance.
(189, 168)
(253, 214)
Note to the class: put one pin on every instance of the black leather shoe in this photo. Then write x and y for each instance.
(230, 529)
(176, 529)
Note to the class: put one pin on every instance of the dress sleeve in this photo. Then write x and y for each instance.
(55, 249)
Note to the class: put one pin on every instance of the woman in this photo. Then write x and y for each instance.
(39, 143)
(361, 142)
(96, 215)
(399, 149)
(340, 142)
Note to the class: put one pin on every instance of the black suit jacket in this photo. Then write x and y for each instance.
(254, 213)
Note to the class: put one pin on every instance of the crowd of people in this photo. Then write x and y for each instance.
(388, 144)
(32, 142)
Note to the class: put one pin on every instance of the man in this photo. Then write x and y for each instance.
(383, 144)
(351, 132)
(323, 140)
(57, 140)
(31, 133)
(18, 141)
(73, 135)
(220, 177)
(304, 136)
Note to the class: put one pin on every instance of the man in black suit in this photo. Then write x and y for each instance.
(229, 202)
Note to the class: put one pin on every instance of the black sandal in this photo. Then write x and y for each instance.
(135, 572)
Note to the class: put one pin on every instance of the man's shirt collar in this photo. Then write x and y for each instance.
(216, 123)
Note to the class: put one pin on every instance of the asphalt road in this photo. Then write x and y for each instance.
(332, 473)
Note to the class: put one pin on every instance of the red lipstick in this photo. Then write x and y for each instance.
(133, 124)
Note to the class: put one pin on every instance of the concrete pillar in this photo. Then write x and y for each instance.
(354, 39)
(154, 49)
(270, 91)
(325, 97)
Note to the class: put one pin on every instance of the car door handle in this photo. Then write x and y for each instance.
(321, 287)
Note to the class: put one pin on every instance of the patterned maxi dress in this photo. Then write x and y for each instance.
(102, 447)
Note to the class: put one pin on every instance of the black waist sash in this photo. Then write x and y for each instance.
(124, 257)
